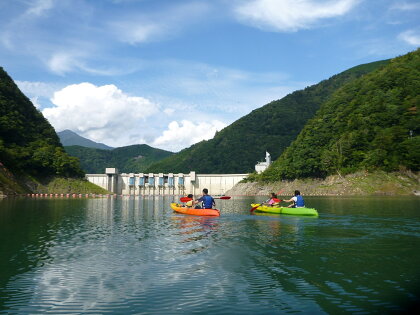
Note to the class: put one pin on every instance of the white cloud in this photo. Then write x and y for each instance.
(141, 28)
(411, 37)
(39, 7)
(133, 32)
(61, 63)
(37, 89)
(186, 133)
(35, 102)
(101, 113)
(406, 6)
(226, 92)
(169, 111)
(290, 15)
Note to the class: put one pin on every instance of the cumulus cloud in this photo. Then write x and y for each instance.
(186, 133)
(411, 37)
(290, 15)
(101, 113)
(38, 92)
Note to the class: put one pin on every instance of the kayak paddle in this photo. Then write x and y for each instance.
(186, 199)
(252, 209)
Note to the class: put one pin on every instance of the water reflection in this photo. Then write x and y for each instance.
(195, 230)
(135, 255)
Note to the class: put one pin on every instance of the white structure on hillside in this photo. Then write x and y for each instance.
(262, 166)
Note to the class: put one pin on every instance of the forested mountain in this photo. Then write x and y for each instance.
(238, 147)
(129, 159)
(371, 123)
(68, 138)
(28, 143)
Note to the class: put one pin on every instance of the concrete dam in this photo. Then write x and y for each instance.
(164, 184)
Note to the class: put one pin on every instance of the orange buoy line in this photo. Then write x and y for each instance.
(79, 195)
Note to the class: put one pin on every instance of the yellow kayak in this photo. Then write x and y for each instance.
(285, 210)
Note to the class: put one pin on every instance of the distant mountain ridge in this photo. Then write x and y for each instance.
(129, 159)
(69, 138)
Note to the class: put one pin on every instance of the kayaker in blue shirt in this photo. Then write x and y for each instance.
(207, 201)
(296, 201)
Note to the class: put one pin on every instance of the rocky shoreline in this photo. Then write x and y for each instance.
(359, 184)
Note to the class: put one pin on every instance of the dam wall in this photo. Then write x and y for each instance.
(164, 184)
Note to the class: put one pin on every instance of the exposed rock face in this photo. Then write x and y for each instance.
(400, 183)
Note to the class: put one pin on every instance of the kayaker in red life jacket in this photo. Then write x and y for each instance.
(296, 201)
(272, 201)
(207, 201)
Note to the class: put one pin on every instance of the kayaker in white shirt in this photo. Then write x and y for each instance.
(296, 201)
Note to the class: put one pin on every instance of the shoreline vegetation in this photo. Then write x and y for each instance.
(70, 186)
(403, 183)
(12, 185)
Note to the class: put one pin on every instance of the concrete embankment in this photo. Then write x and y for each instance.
(359, 184)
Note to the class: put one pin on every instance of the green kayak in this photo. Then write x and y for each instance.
(285, 210)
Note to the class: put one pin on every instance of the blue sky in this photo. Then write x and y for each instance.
(170, 73)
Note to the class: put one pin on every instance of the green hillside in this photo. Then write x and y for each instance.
(371, 123)
(134, 158)
(238, 147)
(28, 143)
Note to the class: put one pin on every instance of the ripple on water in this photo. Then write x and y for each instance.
(136, 256)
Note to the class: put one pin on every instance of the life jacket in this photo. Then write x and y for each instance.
(207, 202)
(299, 202)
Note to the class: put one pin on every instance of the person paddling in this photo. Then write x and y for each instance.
(207, 201)
(296, 201)
(190, 203)
(272, 200)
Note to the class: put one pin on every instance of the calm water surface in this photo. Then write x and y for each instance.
(135, 256)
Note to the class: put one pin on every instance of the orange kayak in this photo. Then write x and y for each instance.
(185, 210)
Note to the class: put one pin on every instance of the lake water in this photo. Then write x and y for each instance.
(130, 255)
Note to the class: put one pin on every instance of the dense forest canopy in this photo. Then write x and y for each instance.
(28, 143)
(369, 124)
(238, 147)
(129, 159)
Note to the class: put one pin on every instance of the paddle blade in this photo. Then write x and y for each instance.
(224, 197)
(252, 209)
(276, 200)
(185, 199)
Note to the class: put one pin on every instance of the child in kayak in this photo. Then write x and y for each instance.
(296, 201)
(190, 203)
(272, 201)
(207, 201)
